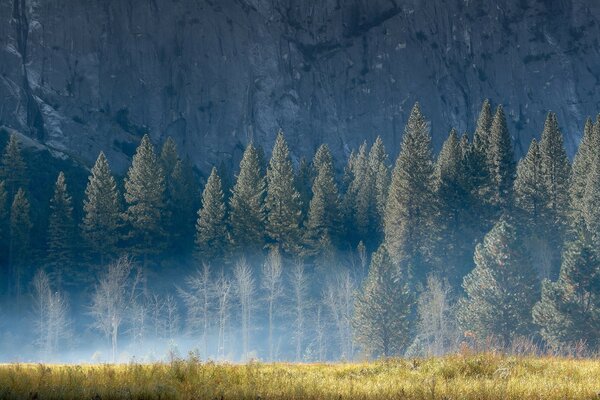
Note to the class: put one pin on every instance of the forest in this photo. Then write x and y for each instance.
(288, 259)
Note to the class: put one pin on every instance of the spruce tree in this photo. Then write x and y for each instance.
(246, 205)
(556, 173)
(303, 181)
(145, 197)
(169, 157)
(183, 200)
(282, 202)
(14, 170)
(409, 209)
(569, 310)
(383, 308)
(582, 164)
(3, 223)
(481, 137)
(20, 231)
(61, 230)
(502, 164)
(168, 161)
(211, 228)
(530, 190)
(102, 210)
(591, 201)
(502, 288)
(378, 162)
(324, 217)
(453, 246)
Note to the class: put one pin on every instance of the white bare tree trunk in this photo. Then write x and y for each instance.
(271, 284)
(245, 286)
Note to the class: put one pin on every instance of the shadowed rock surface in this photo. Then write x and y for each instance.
(81, 76)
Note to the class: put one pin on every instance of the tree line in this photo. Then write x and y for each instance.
(418, 256)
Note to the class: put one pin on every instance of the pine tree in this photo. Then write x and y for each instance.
(168, 161)
(408, 214)
(169, 157)
(246, 205)
(582, 164)
(183, 195)
(502, 164)
(61, 229)
(502, 288)
(20, 230)
(378, 162)
(481, 138)
(324, 210)
(453, 246)
(145, 197)
(383, 308)
(591, 200)
(303, 181)
(101, 210)
(556, 173)
(282, 202)
(530, 191)
(569, 310)
(14, 170)
(211, 228)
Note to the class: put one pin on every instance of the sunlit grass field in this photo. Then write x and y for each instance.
(484, 376)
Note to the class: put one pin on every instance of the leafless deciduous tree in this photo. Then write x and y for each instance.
(272, 285)
(51, 311)
(222, 290)
(300, 305)
(339, 299)
(171, 318)
(197, 298)
(245, 289)
(437, 330)
(113, 297)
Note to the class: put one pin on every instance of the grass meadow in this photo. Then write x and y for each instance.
(478, 376)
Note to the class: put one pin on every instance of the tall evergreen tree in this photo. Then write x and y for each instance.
(531, 207)
(61, 230)
(408, 214)
(303, 181)
(20, 231)
(582, 164)
(282, 202)
(502, 163)
(211, 227)
(4, 228)
(14, 170)
(453, 246)
(378, 162)
(569, 310)
(102, 210)
(481, 137)
(383, 308)
(591, 200)
(556, 173)
(183, 193)
(502, 288)
(145, 197)
(530, 191)
(324, 211)
(169, 157)
(246, 205)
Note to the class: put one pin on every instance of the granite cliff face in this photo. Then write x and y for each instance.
(81, 76)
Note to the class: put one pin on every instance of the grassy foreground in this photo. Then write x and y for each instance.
(484, 376)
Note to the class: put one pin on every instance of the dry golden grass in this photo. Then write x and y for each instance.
(483, 376)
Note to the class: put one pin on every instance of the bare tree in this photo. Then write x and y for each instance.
(300, 305)
(171, 318)
(437, 330)
(339, 299)
(245, 288)
(138, 323)
(156, 307)
(320, 334)
(113, 297)
(51, 311)
(272, 285)
(197, 299)
(222, 288)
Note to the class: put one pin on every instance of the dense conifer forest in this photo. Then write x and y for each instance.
(306, 260)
